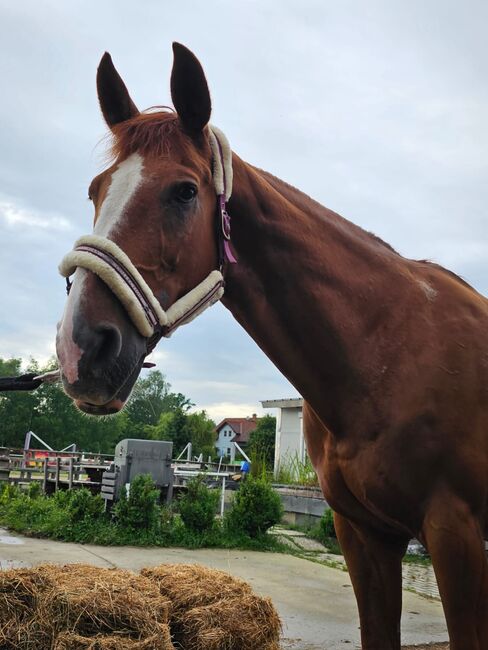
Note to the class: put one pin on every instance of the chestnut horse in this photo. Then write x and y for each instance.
(390, 354)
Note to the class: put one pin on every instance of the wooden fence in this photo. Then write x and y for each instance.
(53, 471)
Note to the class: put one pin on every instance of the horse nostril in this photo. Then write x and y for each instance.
(106, 345)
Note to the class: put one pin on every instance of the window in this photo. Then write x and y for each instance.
(228, 451)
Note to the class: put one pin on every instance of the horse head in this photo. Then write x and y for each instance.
(153, 259)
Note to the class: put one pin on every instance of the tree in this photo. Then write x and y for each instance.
(182, 428)
(151, 398)
(201, 431)
(16, 408)
(262, 440)
(171, 426)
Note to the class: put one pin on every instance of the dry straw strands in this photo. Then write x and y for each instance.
(103, 609)
(81, 607)
(211, 610)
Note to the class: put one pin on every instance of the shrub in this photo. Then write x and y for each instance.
(255, 508)
(35, 490)
(324, 532)
(8, 492)
(140, 508)
(198, 506)
(326, 524)
(83, 505)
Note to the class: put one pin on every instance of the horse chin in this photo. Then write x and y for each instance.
(94, 398)
(110, 408)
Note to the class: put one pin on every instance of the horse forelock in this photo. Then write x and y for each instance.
(149, 133)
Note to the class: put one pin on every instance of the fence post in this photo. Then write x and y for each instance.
(58, 464)
(70, 472)
(44, 480)
(222, 501)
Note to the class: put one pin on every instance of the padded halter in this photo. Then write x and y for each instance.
(106, 259)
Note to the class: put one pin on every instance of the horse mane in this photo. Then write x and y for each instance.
(451, 274)
(146, 133)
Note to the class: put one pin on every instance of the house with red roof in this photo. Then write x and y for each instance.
(234, 430)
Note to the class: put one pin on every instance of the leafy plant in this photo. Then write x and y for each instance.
(198, 506)
(294, 471)
(255, 508)
(140, 508)
(34, 491)
(262, 440)
(83, 505)
(327, 524)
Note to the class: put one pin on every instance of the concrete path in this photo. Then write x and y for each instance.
(315, 602)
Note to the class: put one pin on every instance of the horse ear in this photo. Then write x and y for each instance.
(189, 90)
(114, 98)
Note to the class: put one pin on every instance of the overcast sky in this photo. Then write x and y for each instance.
(377, 109)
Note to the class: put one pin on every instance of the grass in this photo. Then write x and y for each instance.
(294, 471)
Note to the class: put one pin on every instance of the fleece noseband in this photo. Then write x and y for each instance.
(108, 261)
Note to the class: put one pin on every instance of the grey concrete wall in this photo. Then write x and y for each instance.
(302, 505)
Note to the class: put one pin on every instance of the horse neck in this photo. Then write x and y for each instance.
(306, 289)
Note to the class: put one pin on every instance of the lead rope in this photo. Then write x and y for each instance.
(31, 381)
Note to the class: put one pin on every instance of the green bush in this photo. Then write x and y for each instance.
(197, 507)
(35, 490)
(83, 505)
(77, 516)
(140, 509)
(8, 492)
(255, 508)
(324, 532)
(326, 524)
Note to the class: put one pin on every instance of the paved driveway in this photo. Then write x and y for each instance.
(316, 603)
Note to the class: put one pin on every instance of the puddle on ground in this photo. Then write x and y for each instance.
(5, 538)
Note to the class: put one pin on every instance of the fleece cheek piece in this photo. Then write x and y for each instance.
(104, 258)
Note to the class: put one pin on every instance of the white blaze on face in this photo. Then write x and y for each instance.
(123, 185)
(68, 351)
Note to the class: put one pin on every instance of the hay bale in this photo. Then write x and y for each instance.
(81, 607)
(110, 608)
(96, 600)
(18, 592)
(69, 641)
(211, 610)
(193, 585)
(231, 624)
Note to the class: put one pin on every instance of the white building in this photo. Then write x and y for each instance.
(289, 441)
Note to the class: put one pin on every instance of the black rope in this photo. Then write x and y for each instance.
(24, 382)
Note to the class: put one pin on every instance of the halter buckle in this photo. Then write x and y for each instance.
(224, 218)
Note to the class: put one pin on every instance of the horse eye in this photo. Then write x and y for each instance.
(185, 193)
